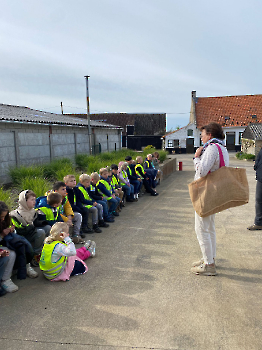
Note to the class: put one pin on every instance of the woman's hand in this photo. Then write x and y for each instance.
(198, 152)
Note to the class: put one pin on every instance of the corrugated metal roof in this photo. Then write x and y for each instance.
(28, 115)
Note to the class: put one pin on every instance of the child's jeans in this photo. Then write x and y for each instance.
(113, 204)
(104, 204)
(77, 221)
(10, 264)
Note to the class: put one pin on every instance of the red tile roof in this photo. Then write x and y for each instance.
(229, 110)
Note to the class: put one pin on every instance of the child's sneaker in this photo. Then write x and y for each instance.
(87, 229)
(9, 286)
(35, 261)
(31, 272)
(77, 240)
(2, 292)
(97, 229)
(102, 223)
(92, 249)
(88, 244)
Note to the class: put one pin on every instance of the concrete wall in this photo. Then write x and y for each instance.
(27, 144)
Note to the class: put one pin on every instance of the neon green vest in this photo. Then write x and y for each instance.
(49, 213)
(107, 186)
(142, 170)
(86, 195)
(124, 176)
(115, 181)
(51, 270)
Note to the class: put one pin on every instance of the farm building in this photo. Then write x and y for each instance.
(29, 136)
(233, 113)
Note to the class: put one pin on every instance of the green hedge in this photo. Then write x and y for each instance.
(241, 156)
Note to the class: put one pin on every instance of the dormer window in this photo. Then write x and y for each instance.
(227, 118)
(189, 132)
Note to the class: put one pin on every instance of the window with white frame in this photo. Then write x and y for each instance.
(170, 143)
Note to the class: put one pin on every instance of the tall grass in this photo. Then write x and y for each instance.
(19, 173)
(36, 184)
(8, 197)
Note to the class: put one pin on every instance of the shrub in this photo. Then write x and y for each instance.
(8, 197)
(21, 172)
(241, 156)
(57, 169)
(149, 149)
(36, 184)
(162, 155)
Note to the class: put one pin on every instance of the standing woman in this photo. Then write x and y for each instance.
(207, 160)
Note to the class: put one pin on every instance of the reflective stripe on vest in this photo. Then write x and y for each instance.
(124, 174)
(86, 196)
(51, 270)
(115, 181)
(107, 186)
(49, 213)
(142, 170)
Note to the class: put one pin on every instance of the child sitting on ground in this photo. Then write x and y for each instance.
(141, 172)
(20, 245)
(75, 199)
(25, 220)
(127, 187)
(60, 259)
(96, 208)
(48, 208)
(105, 189)
(114, 181)
(7, 260)
(68, 215)
(95, 195)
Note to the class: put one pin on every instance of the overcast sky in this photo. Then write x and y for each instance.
(143, 56)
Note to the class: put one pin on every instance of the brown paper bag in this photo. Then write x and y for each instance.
(222, 189)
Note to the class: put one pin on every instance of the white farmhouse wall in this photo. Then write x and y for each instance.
(182, 135)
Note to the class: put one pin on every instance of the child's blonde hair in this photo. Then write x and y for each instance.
(84, 177)
(139, 158)
(56, 231)
(95, 176)
(102, 170)
(68, 177)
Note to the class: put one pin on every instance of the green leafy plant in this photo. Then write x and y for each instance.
(21, 172)
(241, 156)
(38, 185)
(8, 197)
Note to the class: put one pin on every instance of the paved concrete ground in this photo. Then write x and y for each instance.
(139, 292)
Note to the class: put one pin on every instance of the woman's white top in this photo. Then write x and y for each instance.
(209, 160)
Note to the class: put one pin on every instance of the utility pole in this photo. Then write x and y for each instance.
(88, 114)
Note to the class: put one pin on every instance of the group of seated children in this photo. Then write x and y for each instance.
(37, 232)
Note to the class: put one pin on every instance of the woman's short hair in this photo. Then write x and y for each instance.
(214, 129)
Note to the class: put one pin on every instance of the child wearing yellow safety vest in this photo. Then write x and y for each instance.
(94, 208)
(106, 191)
(60, 259)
